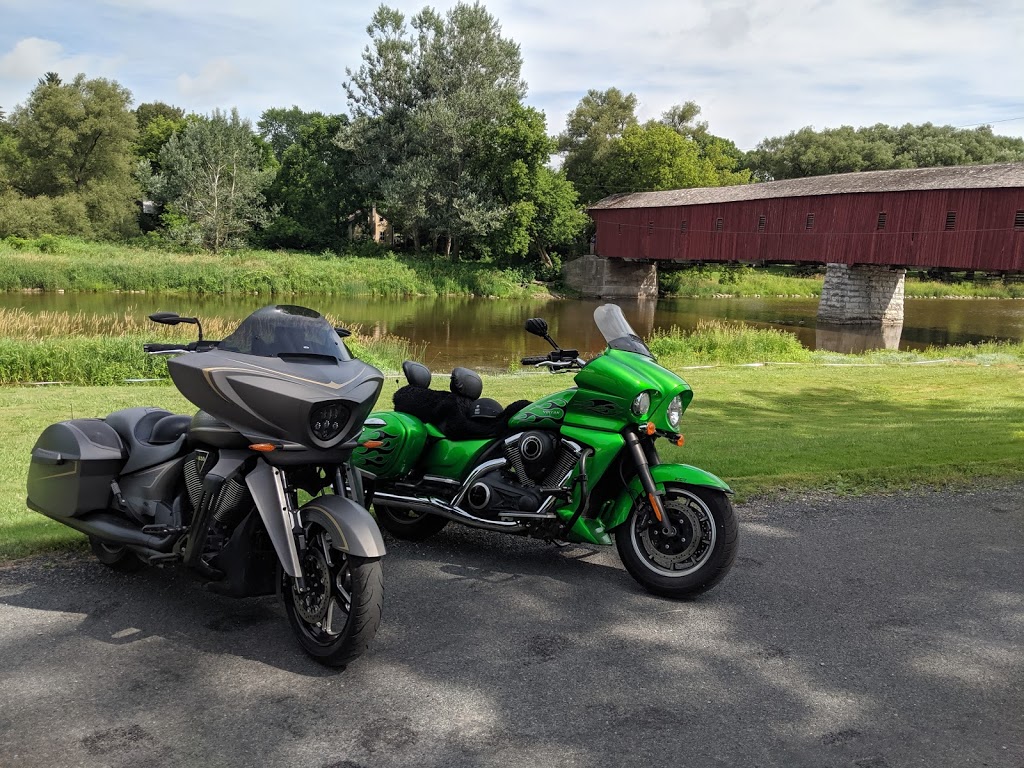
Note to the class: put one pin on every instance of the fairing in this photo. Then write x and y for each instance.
(299, 365)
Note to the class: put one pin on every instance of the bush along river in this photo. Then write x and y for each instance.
(488, 333)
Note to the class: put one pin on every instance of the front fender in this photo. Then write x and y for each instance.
(663, 474)
(356, 530)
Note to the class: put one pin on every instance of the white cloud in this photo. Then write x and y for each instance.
(219, 81)
(32, 57)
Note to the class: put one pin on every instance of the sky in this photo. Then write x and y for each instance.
(758, 68)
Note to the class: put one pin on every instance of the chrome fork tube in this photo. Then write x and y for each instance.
(293, 523)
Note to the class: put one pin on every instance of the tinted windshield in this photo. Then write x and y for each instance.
(283, 329)
(617, 331)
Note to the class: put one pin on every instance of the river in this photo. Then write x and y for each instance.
(488, 334)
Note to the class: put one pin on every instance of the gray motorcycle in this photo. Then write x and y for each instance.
(254, 493)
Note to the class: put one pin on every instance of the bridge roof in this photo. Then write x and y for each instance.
(903, 180)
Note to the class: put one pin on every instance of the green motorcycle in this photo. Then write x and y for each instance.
(579, 465)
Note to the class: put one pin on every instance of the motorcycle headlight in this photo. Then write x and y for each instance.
(674, 412)
(327, 420)
(640, 404)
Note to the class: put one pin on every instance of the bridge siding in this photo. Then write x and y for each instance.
(843, 232)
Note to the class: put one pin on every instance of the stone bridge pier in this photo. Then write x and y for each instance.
(603, 278)
(862, 295)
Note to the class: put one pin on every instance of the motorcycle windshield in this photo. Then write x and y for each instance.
(617, 332)
(283, 329)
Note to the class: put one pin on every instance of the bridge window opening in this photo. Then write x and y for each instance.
(762, 222)
(950, 220)
(620, 229)
(810, 221)
(1018, 220)
(718, 224)
(650, 227)
(881, 221)
(682, 226)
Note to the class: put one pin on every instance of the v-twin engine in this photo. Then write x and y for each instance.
(537, 464)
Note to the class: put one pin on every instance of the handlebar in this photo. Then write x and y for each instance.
(156, 348)
(534, 360)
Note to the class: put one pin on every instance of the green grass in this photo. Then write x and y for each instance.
(764, 430)
(53, 263)
(737, 281)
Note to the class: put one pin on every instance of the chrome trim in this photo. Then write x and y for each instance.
(481, 469)
(437, 506)
(439, 479)
(375, 422)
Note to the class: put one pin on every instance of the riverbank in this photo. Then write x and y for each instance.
(67, 264)
(52, 263)
(765, 430)
(786, 282)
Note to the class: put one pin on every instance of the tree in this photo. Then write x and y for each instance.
(424, 104)
(212, 180)
(72, 144)
(808, 152)
(314, 193)
(654, 156)
(591, 130)
(283, 127)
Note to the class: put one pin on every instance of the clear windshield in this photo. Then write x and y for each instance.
(284, 329)
(617, 331)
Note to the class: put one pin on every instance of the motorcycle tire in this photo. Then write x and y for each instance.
(696, 557)
(117, 557)
(334, 579)
(407, 525)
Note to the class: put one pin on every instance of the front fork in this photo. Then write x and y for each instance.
(347, 482)
(643, 472)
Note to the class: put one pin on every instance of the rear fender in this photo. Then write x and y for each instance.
(352, 528)
(664, 475)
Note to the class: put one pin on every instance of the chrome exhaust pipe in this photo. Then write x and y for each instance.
(440, 507)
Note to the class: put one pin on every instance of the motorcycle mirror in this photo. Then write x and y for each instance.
(538, 326)
(166, 318)
(173, 318)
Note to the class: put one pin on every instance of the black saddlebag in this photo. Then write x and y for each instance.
(72, 465)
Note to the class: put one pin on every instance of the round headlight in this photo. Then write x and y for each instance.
(674, 412)
(640, 404)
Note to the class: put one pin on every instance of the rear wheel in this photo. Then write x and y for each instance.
(408, 525)
(337, 615)
(117, 557)
(695, 556)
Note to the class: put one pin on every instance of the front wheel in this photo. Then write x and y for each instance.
(696, 555)
(337, 615)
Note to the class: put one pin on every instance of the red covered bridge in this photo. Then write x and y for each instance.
(961, 218)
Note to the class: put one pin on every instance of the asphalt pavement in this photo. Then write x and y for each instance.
(866, 632)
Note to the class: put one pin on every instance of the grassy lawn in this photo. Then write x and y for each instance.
(764, 430)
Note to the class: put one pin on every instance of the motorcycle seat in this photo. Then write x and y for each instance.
(460, 414)
(151, 435)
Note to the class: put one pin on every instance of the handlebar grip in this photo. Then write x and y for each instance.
(153, 346)
(534, 360)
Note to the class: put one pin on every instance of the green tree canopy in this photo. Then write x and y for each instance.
(591, 131)
(212, 180)
(282, 127)
(426, 103)
(314, 194)
(808, 152)
(66, 160)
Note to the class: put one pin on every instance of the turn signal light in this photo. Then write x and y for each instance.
(263, 447)
(373, 444)
(680, 441)
(651, 429)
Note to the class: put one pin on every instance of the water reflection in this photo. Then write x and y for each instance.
(853, 339)
(488, 333)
